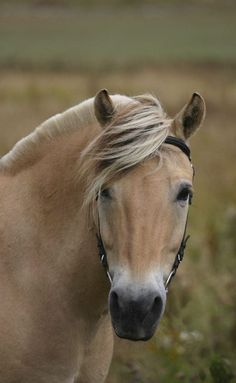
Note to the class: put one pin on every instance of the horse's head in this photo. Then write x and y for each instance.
(142, 209)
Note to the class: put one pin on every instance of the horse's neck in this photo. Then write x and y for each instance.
(49, 236)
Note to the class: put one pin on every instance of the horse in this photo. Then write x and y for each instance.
(112, 178)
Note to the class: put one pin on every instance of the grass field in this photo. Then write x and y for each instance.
(171, 53)
(107, 38)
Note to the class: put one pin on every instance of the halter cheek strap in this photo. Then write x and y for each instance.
(180, 254)
(102, 253)
(170, 140)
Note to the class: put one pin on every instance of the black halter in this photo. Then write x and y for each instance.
(170, 140)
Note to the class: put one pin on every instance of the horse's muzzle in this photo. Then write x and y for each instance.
(135, 317)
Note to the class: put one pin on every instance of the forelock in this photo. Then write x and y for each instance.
(134, 135)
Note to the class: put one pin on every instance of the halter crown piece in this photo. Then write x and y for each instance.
(170, 140)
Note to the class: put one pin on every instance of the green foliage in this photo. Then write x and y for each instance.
(220, 370)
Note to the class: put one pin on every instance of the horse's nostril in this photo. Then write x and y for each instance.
(135, 316)
(157, 306)
(138, 309)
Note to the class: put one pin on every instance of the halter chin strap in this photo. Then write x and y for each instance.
(170, 140)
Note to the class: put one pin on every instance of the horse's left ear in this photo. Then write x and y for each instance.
(104, 108)
(190, 118)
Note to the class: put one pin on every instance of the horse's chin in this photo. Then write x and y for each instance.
(135, 334)
(133, 337)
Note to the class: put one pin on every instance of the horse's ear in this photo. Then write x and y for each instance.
(104, 108)
(190, 118)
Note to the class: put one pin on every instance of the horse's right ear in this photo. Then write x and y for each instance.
(104, 108)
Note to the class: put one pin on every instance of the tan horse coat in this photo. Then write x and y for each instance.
(54, 321)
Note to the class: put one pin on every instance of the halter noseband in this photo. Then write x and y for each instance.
(170, 140)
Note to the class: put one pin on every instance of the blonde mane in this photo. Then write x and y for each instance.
(134, 135)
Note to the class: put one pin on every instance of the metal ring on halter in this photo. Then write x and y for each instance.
(109, 276)
(107, 270)
(171, 275)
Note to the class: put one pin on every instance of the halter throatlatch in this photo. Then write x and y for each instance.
(170, 140)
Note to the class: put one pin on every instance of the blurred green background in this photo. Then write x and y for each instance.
(55, 53)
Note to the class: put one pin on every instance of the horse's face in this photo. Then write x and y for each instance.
(142, 217)
(142, 220)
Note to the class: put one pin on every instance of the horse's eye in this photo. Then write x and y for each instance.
(184, 195)
(105, 193)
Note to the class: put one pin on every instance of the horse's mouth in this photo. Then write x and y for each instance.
(134, 333)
